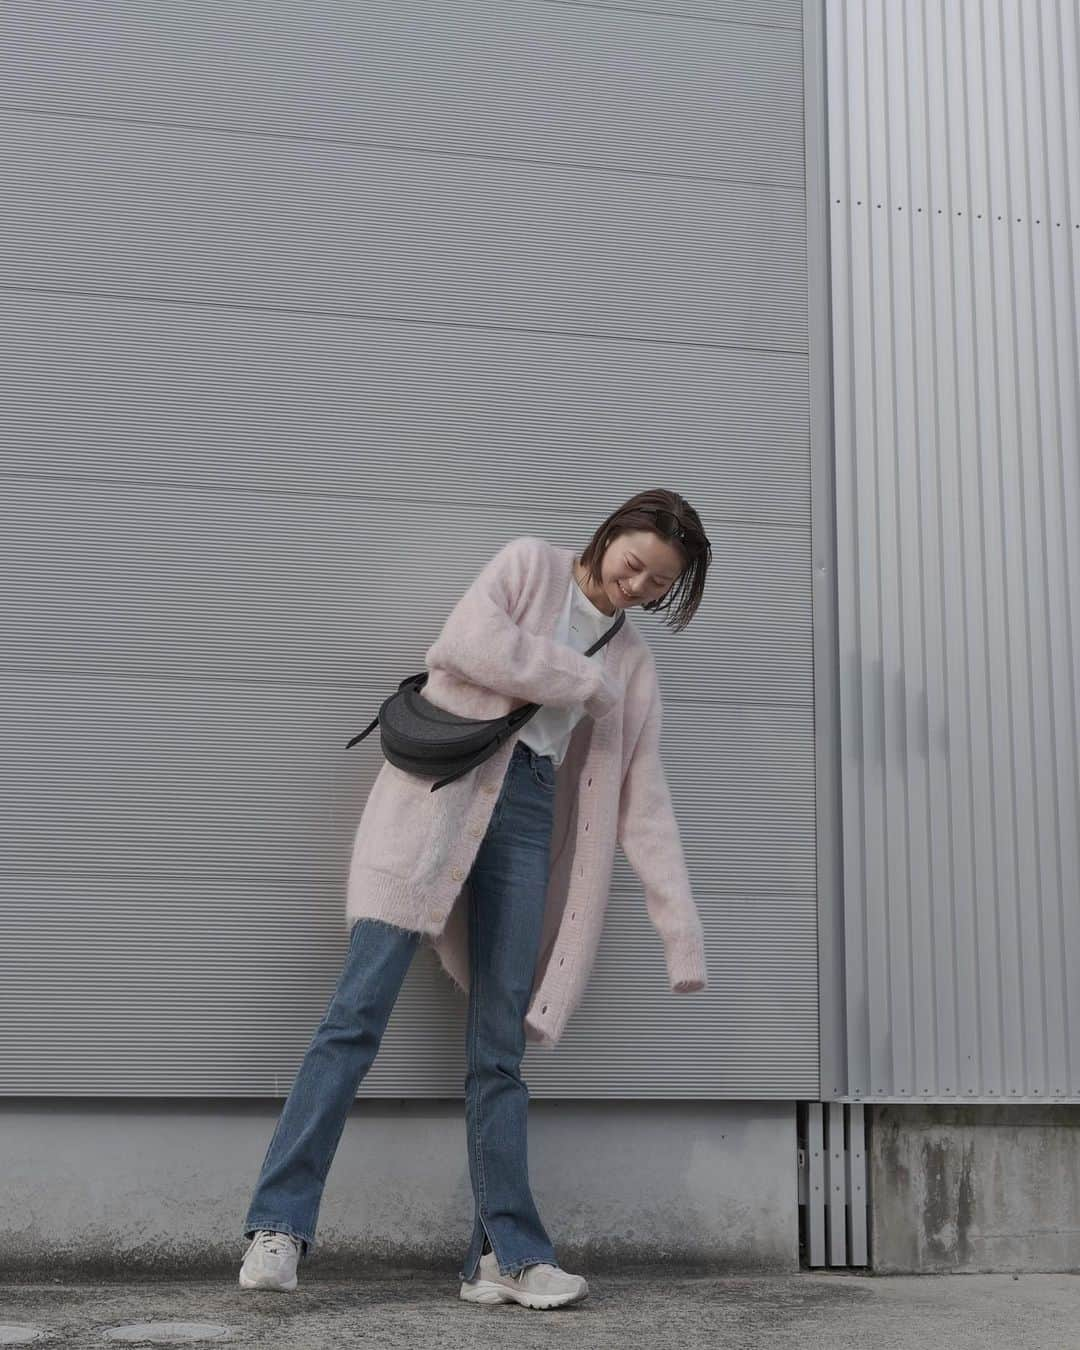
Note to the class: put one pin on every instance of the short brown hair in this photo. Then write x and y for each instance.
(670, 516)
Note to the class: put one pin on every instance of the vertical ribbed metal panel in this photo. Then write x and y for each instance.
(308, 308)
(954, 163)
(833, 1183)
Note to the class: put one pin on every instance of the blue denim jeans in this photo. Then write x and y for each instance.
(507, 890)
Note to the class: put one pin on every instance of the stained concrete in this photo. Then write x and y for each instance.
(112, 1187)
(653, 1308)
(974, 1188)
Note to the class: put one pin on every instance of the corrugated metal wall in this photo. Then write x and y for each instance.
(954, 163)
(308, 309)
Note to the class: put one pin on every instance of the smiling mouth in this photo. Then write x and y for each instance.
(625, 594)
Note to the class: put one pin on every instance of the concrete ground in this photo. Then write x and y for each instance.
(643, 1307)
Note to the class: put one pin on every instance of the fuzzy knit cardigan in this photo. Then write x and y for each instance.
(414, 848)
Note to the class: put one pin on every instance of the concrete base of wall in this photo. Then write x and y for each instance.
(974, 1189)
(108, 1187)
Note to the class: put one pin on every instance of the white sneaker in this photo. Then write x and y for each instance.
(270, 1261)
(539, 1286)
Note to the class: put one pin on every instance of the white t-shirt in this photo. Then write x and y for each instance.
(579, 625)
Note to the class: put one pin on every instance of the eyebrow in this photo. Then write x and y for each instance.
(655, 574)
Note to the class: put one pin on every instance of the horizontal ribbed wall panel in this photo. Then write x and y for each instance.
(218, 1004)
(226, 586)
(186, 776)
(766, 13)
(547, 82)
(231, 219)
(763, 13)
(955, 211)
(235, 388)
(279, 390)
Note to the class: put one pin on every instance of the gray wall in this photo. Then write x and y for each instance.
(960, 1189)
(307, 310)
(136, 1186)
(954, 212)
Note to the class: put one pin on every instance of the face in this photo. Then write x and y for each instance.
(637, 568)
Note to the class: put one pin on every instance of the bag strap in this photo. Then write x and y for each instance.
(514, 720)
(417, 681)
(521, 715)
(619, 621)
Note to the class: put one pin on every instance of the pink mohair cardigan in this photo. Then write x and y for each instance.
(414, 848)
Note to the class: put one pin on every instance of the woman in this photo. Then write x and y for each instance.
(506, 871)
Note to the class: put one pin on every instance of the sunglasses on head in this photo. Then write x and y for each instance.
(670, 524)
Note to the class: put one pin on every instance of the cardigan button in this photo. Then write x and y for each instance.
(458, 874)
(489, 788)
(476, 831)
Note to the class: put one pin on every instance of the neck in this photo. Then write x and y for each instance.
(601, 601)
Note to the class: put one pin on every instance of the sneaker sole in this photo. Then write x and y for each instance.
(246, 1282)
(485, 1291)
